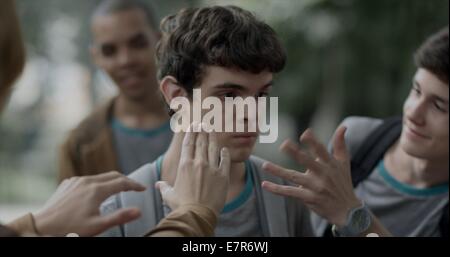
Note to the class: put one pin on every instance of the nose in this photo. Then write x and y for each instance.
(124, 57)
(416, 113)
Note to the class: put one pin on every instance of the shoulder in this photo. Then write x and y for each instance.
(91, 126)
(357, 123)
(358, 129)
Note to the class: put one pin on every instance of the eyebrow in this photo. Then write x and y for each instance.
(137, 36)
(435, 97)
(237, 86)
(133, 37)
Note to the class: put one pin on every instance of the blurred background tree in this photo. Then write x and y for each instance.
(345, 57)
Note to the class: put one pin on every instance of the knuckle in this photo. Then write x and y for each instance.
(188, 143)
(185, 163)
(83, 180)
(115, 172)
(293, 177)
(92, 190)
(321, 188)
(123, 183)
(201, 163)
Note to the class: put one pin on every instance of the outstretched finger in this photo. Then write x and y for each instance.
(340, 151)
(300, 156)
(188, 147)
(291, 191)
(318, 149)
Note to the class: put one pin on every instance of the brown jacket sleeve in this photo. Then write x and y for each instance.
(189, 220)
(24, 225)
(67, 166)
(7, 232)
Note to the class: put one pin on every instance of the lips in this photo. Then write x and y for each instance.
(246, 135)
(244, 139)
(130, 78)
(415, 132)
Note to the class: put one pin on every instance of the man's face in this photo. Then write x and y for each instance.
(124, 45)
(222, 82)
(425, 118)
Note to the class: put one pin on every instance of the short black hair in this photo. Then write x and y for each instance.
(433, 55)
(107, 7)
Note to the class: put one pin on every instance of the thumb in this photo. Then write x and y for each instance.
(166, 191)
(339, 147)
(117, 218)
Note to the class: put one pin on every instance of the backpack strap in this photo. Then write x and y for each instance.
(373, 149)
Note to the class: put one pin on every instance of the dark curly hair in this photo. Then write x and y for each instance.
(225, 36)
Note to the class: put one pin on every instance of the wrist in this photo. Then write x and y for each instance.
(358, 221)
(34, 226)
(342, 217)
(40, 224)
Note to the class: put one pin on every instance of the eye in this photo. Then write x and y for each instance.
(440, 107)
(230, 94)
(108, 50)
(139, 42)
(262, 94)
(415, 91)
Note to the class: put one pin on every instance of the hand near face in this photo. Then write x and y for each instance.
(203, 174)
(326, 186)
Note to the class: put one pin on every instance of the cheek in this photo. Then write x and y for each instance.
(407, 105)
(109, 66)
(441, 145)
(440, 129)
(147, 58)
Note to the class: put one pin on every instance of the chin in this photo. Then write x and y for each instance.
(241, 155)
(413, 149)
(136, 95)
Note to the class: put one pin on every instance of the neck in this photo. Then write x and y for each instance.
(422, 173)
(148, 112)
(170, 167)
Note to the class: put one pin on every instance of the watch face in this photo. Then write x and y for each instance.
(360, 220)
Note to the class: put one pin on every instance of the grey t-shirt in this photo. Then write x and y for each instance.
(136, 147)
(403, 209)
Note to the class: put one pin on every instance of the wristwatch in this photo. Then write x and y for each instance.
(359, 220)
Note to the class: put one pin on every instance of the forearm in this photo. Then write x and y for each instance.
(189, 220)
